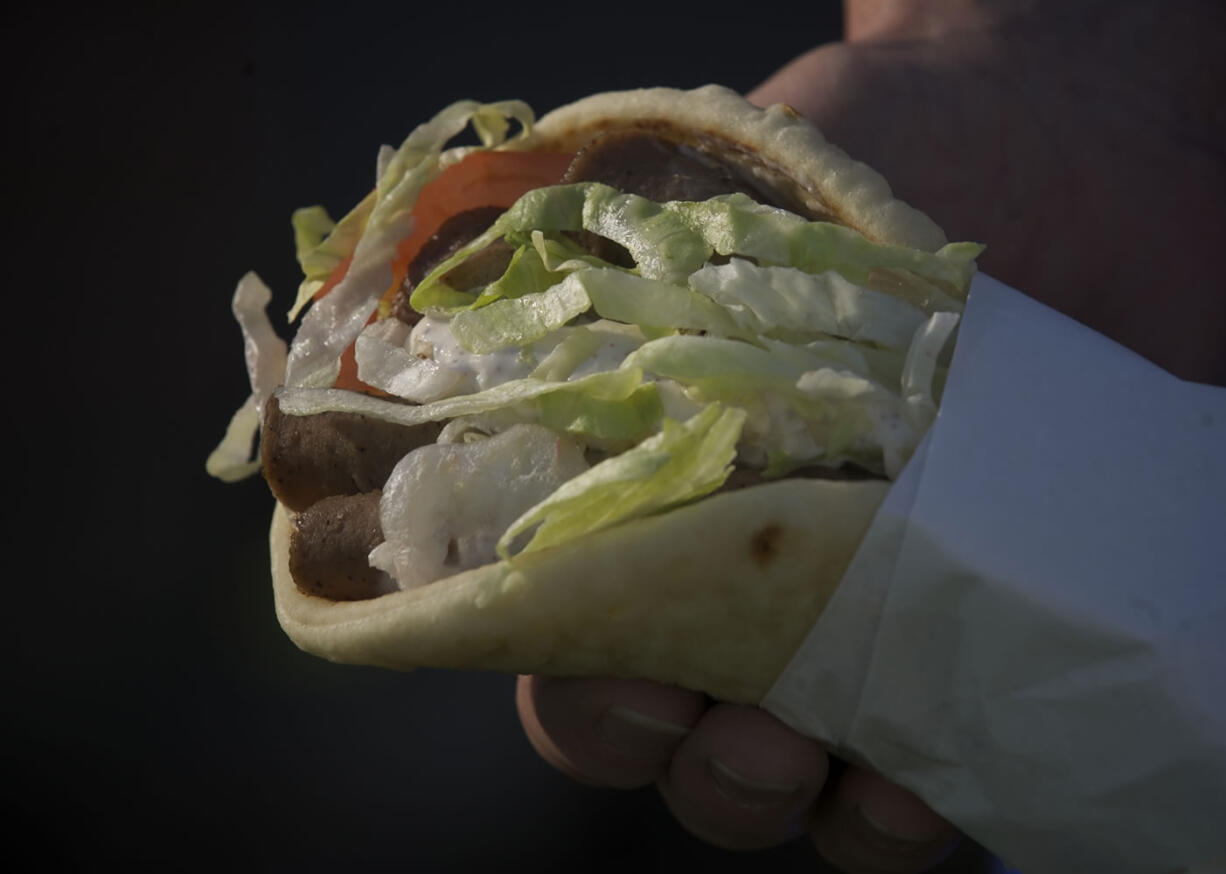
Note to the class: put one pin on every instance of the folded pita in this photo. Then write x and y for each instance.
(715, 595)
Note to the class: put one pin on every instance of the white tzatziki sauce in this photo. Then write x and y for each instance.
(773, 425)
(431, 339)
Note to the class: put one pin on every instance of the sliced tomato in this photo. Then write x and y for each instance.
(348, 376)
(337, 274)
(481, 179)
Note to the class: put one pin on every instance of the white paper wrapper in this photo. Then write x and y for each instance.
(1033, 635)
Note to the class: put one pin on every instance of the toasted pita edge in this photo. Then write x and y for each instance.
(776, 143)
(713, 596)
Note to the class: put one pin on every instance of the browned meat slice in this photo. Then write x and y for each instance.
(459, 230)
(455, 232)
(637, 162)
(651, 166)
(641, 163)
(401, 308)
(307, 458)
(330, 545)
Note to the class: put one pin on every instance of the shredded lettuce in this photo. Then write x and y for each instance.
(655, 304)
(335, 321)
(604, 420)
(434, 296)
(323, 244)
(795, 325)
(734, 224)
(919, 403)
(527, 273)
(522, 320)
(563, 256)
(579, 344)
(264, 351)
(812, 408)
(614, 385)
(650, 304)
(662, 246)
(719, 367)
(783, 420)
(682, 463)
(233, 459)
(772, 299)
(739, 330)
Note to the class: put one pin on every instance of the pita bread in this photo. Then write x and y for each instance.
(776, 144)
(714, 596)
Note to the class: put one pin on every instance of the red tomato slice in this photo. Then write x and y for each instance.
(481, 179)
(337, 274)
(348, 376)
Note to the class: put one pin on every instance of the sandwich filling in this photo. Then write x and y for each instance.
(649, 320)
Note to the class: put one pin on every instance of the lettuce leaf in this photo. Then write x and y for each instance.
(335, 321)
(919, 371)
(719, 367)
(807, 405)
(655, 304)
(663, 246)
(520, 321)
(520, 394)
(605, 420)
(578, 345)
(234, 458)
(682, 463)
(824, 344)
(323, 244)
(651, 304)
(765, 300)
(734, 224)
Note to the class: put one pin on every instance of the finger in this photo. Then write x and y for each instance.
(808, 83)
(866, 824)
(743, 780)
(606, 732)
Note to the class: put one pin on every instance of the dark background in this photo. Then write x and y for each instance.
(154, 711)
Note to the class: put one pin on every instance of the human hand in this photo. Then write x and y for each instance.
(1081, 143)
(1083, 146)
(732, 775)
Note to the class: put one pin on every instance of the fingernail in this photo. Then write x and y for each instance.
(880, 823)
(751, 793)
(639, 735)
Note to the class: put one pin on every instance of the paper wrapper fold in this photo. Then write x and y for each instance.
(1032, 636)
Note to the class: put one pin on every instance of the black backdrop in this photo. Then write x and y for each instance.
(153, 708)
